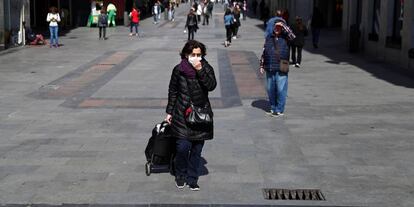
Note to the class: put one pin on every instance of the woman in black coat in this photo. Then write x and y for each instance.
(191, 24)
(191, 80)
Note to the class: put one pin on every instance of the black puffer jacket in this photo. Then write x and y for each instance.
(179, 92)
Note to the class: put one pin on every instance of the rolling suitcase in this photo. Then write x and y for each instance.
(160, 150)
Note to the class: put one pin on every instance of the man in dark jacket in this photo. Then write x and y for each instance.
(191, 80)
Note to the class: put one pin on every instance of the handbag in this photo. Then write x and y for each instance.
(195, 115)
(198, 115)
(284, 64)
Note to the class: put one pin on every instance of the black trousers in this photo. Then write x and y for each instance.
(191, 30)
(229, 32)
(235, 30)
(296, 54)
(205, 19)
(102, 30)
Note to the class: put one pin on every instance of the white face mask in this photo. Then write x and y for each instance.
(192, 60)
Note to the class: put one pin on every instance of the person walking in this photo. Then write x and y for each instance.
(244, 10)
(191, 81)
(236, 24)
(156, 11)
(134, 15)
(228, 22)
(53, 18)
(171, 11)
(254, 7)
(191, 24)
(102, 24)
(300, 31)
(275, 53)
(316, 25)
(199, 11)
(207, 11)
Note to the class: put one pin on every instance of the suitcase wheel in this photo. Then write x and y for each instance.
(148, 169)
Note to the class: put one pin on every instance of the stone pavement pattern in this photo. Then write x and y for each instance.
(75, 121)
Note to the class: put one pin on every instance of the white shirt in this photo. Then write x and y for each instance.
(53, 19)
(199, 9)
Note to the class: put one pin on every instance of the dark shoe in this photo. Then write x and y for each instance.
(269, 113)
(194, 187)
(180, 183)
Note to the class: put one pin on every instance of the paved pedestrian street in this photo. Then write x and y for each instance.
(75, 122)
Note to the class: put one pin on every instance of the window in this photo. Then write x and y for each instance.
(375, 21)
(394, 41)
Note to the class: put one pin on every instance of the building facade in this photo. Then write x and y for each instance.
(386, 29)
(12, 15)
(331, 9)
(74, 13)
(382, 29)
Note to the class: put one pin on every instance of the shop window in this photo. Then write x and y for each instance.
(394, 39)
(373, 35)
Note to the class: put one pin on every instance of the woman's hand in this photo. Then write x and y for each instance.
(168, 119)
(279, 24)
(262, 70)
(197, 65)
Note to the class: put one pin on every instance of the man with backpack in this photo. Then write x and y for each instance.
(102, 24)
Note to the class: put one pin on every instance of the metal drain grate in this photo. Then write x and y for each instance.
(293, 194)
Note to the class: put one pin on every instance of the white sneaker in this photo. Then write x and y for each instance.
(277, 114)
(234, 37)
(297, 65)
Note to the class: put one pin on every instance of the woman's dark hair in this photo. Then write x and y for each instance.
(191, 11)
(190, 45)
(228, 11)
(53, 10)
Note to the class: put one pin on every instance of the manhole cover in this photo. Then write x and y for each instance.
(293, 194)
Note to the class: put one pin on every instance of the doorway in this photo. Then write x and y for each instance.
(332, 12)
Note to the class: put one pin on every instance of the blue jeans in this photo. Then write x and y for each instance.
(133, 24)
(54, 35)
(277, 85)
(188, 160)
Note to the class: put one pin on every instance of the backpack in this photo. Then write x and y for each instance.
(104, 19)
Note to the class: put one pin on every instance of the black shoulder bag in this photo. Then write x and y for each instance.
(196, 115)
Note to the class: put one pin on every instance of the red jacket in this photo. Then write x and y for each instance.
(134, 16)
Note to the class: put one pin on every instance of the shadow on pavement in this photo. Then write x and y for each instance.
(261, 104)
(336, 52)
